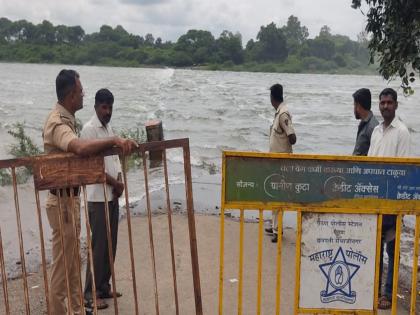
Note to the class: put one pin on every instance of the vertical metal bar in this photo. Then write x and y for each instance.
(110, 252)
(171, 236)
(22, 252)
(192, 232)
(77, 245)
(241, 261)
(4, 277)
(297, 260)
(279, 248)
(152, 247)
(90, 252)
(415, 267)
(43, 256)
(221, 257)
(130, 235)
(222, 235)
(396, 265)
(377, 263)
(260, 252)
(60, 220)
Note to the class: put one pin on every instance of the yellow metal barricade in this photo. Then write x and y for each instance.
(323, 186)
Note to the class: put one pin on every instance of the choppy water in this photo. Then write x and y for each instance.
(216, 110)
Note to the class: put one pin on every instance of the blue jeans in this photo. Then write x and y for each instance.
(390, 250)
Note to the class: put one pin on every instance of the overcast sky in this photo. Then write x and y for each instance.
(169, 19)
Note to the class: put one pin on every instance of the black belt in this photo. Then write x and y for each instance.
(76, 191)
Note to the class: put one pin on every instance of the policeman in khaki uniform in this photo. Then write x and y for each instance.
(60, 136)
(282, 137)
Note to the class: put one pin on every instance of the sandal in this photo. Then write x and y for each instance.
(109, 295)
(100, 304)
(384, 303)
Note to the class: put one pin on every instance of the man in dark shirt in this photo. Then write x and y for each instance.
(362, 103)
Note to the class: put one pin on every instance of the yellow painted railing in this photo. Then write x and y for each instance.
(255, 167)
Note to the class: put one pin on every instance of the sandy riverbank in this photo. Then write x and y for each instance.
(208, 249)
(207, 202)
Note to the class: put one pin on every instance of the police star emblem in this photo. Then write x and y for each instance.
(338, 274)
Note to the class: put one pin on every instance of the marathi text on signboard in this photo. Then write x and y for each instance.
(250, 179)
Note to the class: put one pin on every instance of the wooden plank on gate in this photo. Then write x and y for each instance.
(62, 172)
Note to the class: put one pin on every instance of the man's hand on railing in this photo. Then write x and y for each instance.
(126, 145)
(117, 190)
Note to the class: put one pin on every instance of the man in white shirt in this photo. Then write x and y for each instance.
(98, 127)
(391, 138)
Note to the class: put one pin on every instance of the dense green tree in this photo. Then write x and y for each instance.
(149, 40)
(325, 31)
(322, 47)
(295, 34)
(229, 47)
(285, 48)
(394, 27)
(271, 44)
(198, 44)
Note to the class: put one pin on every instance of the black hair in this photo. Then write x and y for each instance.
(277, 92)
(389, 91)
(363, 97)
(65, 83)
(104, 96)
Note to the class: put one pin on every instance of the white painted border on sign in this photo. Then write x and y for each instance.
(337, 267)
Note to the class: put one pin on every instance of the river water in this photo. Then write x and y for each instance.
(215, 110)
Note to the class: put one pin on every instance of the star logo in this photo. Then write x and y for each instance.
(339, 274)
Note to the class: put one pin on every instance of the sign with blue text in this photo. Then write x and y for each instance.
(337, 261)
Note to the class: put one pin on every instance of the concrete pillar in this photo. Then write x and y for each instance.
(154, 132)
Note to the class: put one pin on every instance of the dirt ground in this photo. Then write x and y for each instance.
(208, 250)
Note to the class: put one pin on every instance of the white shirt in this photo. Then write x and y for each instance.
(94, 129)
(393, 141)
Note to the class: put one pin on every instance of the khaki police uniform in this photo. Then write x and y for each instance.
(59, 131)
(280, 131)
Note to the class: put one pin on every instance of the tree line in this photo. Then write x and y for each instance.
(286, 48)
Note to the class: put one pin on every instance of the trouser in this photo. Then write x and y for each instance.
(274, 221)
(70, 208)
(390, 250)
(102, 267)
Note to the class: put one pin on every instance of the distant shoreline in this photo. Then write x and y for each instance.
(259, 68)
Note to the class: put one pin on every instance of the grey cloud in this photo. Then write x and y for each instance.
(144, 2)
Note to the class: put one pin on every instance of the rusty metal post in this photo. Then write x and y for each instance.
(154, 132)
(152, 247)
(130, 236)
(76, 231)
(4, 277)
(65, 262)
(43, 255)
(22, 252)
(90, 253)
(191, 229)
(110, 252)
(171, 236)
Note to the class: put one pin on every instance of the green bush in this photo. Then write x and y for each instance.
(22, 148)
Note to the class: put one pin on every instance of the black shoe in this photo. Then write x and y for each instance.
(269, 231)
(274, 238)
